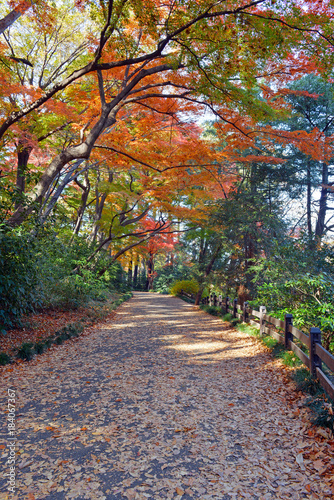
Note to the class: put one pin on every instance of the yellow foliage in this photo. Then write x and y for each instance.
(188, 286)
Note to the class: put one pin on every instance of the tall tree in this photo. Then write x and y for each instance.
(312, 110)
(166, 51)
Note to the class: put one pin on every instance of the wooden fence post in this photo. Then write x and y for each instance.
(287, 335)
(245, 312)
(263, 311)
(227, 301)
(215, 300)
(235, 303)
(315, 361)
(220, 301)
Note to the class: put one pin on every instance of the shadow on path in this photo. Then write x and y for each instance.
(162, 402)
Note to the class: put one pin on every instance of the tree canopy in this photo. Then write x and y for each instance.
(136, 132)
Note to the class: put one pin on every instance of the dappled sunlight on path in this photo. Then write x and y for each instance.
(162, 402)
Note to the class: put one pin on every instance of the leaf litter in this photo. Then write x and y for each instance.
(163, 402)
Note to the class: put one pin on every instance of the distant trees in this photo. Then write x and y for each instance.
(312, 109)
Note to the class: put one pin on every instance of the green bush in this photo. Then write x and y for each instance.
(168, 275)
(188, 286)
(26, 351)
(18, 277)
(40, 347)
(4, 358)
(306, 383)
(300, 281)
(213, 310)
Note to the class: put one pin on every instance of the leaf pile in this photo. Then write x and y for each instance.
(164, 402)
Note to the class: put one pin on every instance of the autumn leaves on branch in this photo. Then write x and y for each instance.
(102, 105)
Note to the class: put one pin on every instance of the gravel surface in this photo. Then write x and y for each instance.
(163, 401)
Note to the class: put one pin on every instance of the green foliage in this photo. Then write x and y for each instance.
(62, 287)
(141, 282)
(37, 270)
(18, 277)
(4, 358)
(168, 275)
(26, 351)
(228, 317)
(213, 310)
(323, 414)
(249, 329)
(306, 383)
(299, 281)
(188, 286)
(40, 347)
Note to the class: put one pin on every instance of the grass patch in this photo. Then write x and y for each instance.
(270, 342)
(40, 347)
(213, 310)
(278, 350)
(306, 383)
(249, 329)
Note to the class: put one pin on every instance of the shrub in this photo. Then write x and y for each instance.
(18, 277)
(4, 359)
(168, 275)
(40, 347)
(188, 286)
(214, 311)
(26, 351)
(322, 409)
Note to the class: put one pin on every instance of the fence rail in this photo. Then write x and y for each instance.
(284, 332)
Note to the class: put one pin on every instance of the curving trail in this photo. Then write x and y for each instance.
(161, 402)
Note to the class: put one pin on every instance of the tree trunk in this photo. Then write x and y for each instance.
(23, 153)
(12, 16)
(99, 205)
(308, 202)
(320, 226)
(135, 276)
(207, 271)
(199, 295)
(80, 151)
(150, 271)
(130, 270)
(83, 205)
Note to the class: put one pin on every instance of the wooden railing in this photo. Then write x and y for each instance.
(319, 361)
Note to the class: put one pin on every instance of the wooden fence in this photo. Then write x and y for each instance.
(319, 361)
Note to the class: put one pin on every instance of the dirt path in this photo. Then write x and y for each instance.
(163, 402)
